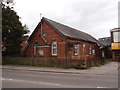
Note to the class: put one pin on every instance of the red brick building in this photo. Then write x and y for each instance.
(51, 39)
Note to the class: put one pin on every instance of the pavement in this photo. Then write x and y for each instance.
(108, 69)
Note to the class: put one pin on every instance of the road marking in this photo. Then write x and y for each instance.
(57, 73)
(49, 83)
(101, 87)
(10, 79)
(30, 81)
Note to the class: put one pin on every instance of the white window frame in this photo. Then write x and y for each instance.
(54, 47)
(93, 52)
(76, 49)
(41, 52)
(116, 36)
(90, 50)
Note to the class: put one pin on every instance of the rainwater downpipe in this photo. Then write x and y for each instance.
(84, 53)
(34, 50)
(42, 34)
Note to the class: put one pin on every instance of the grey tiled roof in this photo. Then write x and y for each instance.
(71, 32)
(106, 41)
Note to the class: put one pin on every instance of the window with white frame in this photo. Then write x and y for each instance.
(41, 52)
(90, 50)
(76, 48)
(93, 52)
(54, 48)
(116, 36)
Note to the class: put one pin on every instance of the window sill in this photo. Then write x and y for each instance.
(75, 55)
(54, 55)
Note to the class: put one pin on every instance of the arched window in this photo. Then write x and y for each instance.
(54, 48)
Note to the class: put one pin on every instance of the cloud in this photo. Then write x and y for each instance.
(95, 17)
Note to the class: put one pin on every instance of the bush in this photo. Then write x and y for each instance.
(78, 67)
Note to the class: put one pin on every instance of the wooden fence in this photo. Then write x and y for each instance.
(47, 62)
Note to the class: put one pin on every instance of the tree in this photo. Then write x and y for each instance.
(12, 30)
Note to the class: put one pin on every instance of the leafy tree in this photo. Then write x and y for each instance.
(12, 30)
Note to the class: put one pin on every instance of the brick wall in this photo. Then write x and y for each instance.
(50, 36)
(83, 52)
(64, 52)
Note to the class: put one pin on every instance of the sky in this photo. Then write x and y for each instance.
(95, 17)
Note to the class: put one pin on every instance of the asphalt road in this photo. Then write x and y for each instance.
(33, 79)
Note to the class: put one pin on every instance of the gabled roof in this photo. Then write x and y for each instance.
(69, 32)
(106, 41)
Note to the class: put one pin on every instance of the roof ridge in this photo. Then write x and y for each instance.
(65, 25)
(68, 26)
(71, 32)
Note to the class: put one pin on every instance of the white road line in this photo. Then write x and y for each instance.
(10, 79)
(101, 87)
(56, 73)
(30, 81)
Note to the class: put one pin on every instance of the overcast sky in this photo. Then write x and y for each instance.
(95, 17)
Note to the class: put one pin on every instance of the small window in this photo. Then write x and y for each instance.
(90, 50)
(76, 48)
(41, 52)
(54, 48)
(93, 52)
